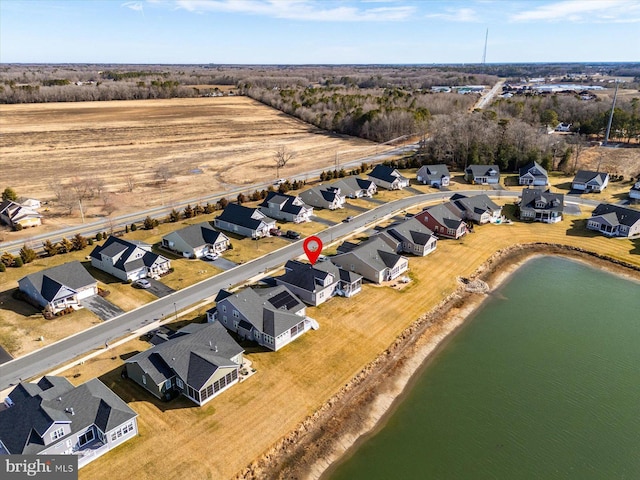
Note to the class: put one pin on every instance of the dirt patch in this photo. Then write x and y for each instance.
(357, 408)
(623, 161)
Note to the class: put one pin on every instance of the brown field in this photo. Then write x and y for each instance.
(220, 439)
(208, 145)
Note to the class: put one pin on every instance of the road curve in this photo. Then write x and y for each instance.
(63, 351)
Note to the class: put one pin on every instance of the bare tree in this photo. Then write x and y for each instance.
(579, 144)
(68, 200)
(163, 174)
(130, 183)
(282, 156)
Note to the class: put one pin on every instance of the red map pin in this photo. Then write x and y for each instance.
(312, 247)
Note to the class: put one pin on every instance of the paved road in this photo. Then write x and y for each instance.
(67, 349)
(488, 97)
(106, 224)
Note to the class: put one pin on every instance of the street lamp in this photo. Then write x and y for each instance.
(175, 308)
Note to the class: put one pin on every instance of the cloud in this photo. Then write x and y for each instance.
(137, 6)
(593, 11)
(309, 10)
(456, 15)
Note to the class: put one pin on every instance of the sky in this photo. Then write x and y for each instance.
(318, 31)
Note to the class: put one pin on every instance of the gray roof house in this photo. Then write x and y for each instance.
(615, 220)
(478, 208)
(128, 260)
(355, 187)
(200, 361)
(434, 175)
(52, 417)
(59, 287)
(272, 317)
(388, 177)
(482, 174)
(587, 181)
(443, 221)
(375, 259)
(533, 174)
(540, 205)
(315, 284)
(323, 196)
(244, 221)
(634, 192)
(412, 236)
(196, 240)
(288, 208)
(14, 214)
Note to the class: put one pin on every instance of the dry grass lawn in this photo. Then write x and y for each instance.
(218, 440)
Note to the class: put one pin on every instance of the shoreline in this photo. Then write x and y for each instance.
(362, 406)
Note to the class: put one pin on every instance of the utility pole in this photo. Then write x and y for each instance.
(613, 106)
(81, 212)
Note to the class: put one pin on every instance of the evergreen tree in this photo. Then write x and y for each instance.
(28, 254)
(50, 248)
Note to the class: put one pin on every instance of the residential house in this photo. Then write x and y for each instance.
(412, 236)
(482, 174)
(272, 317)
(288, 208)
(533, 174)
(128, 260)
(476, 208)
(196, 240)
(18, 216)
(355, 187)
(387, 177)
(634, 192)
(323, 196)
(434, 175)
(442, 220)
(541, 205)
(375, 259)
(31, 203)
(315, 284)
(52, 417)
(615, 220)
(587, 181)
(563, 127)
(244, 221)
(59, 287)
(200, 361)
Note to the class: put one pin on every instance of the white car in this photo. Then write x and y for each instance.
(141, 283)
(211, 256)
(280, 181)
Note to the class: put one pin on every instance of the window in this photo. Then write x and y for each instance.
(167, 384)
(144, 379)
(179, 383)
(57, 433)
(224, 308)
(236, 314)
(86, 437)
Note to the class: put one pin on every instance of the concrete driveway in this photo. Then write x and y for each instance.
(323, 221)
(159, 289)
(221, 263)
(103, 308)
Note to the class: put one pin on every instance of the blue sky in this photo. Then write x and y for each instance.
(317, 31)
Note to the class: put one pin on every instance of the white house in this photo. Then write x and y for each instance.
(128, 260)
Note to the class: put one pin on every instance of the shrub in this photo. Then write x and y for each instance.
(27, 254)
(98, 236)
(134, 227)
(6, 259)
(90, 241)
(17, 227)
(17, 262)
(2, 267)
(9, 194)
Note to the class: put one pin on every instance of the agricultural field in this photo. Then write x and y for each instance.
(147, 153)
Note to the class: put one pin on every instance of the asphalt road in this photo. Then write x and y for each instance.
(51, 356)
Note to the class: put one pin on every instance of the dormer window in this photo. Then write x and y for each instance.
(57, 433)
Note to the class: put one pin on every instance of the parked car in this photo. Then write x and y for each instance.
(280, 181)
(211, 256)
(348, 219)
(292, 234)
(275, 232)
(141, 283)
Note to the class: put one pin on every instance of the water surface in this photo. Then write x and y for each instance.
(543, 383)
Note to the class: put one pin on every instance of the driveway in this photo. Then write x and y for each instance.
(572, 209)
(221, 263)
(103, 308)
(4, 355)
(413, 190)
(159, 289)
(357, 208)
(376, 200)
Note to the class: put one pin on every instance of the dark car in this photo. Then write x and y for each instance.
(292, 234)
(275, 232)
(348, 219)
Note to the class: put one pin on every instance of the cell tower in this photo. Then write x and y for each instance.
(484, 54)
